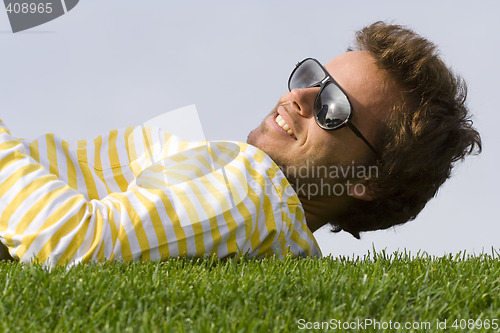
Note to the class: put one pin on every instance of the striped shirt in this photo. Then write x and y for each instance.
(140, 193)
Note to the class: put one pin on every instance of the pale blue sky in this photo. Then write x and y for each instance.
(109, 64)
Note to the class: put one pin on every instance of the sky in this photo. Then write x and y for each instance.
(116, 63)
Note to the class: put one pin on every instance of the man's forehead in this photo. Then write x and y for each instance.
(359, 76)
(357, 64)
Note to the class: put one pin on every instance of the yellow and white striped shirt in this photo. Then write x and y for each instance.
(140, 193)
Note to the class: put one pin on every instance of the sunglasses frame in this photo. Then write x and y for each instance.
(328, 79)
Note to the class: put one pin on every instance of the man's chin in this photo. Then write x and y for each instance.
(256, 137)
(251, 138)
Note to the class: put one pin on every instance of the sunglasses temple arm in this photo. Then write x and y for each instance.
(358, 133)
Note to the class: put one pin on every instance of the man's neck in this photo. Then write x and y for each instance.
(321, 211)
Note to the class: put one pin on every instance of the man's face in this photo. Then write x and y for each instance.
(307, 144)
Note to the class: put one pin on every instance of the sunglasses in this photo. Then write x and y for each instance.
(332, 109)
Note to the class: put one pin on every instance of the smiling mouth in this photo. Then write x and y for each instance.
(280, 121)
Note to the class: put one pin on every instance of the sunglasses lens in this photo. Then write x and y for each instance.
(307, 74)
(332, 108)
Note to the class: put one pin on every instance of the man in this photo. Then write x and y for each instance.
(361, 143)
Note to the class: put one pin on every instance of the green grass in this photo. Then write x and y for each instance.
(252, 295)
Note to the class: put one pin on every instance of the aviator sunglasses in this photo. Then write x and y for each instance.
(332, 109)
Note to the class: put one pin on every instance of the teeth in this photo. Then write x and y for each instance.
(280, 121)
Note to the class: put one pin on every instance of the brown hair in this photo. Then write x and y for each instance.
(423, 136)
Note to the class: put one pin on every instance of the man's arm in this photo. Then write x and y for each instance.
(43, 218)
(38, 212)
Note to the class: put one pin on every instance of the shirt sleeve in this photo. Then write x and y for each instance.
(44, 219)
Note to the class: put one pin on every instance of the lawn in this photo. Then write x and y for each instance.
(379, 292)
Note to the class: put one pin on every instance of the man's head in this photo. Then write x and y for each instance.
(405, 102)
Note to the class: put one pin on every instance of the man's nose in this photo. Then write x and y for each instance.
(304, 99)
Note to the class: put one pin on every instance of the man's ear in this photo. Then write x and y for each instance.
(363, 190)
